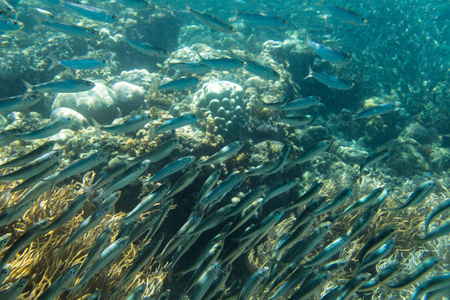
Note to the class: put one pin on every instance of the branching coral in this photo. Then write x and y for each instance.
(46, 259)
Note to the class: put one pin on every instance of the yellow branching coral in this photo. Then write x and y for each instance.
(45, 259)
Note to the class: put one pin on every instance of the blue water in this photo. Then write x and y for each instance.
(400, 56)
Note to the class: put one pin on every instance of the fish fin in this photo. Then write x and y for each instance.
(198, 53)
(54, 64)
(310, 73)
(28, 86)
(187, 6)
(236, 13)
(144, 180)
(96, 124)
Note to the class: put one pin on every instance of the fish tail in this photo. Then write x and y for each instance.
(308, 38)
(28, 86)
(54, 64)
(96, 124)
(310, 73)
(236, 13)
(187, 6)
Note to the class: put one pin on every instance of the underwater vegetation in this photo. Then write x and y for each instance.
(224, 150)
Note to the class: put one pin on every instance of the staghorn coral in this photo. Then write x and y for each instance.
(409, 224)
(45, 259)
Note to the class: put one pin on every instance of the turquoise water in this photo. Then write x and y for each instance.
(299, 99)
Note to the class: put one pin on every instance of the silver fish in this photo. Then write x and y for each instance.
(4, 272)
(205, 281)
(14, 212)
(43, 15)
(377, 254)
(184, 181)
(280, 189)
(79, 166)
(296, 121)
(418, 273)
(330, 81)
(4, 240)
(139, 4)
(35, 192)
(176, 123)
(313, 151)
(336, 202)
(381, 277)
(50, 129)
(441, 208)
(376, 110)
(221, 190)
(29, 157)
(433, 284)
(376, 241)
(208, 185)
(213, 219)
(10, 25)
(138, 292)
(327, 53)
(69, 211)
(61, 86)
(112, 173)
(374, 158)
(262, 228)
(74, 30)
(91, 12)
(38, 229)
(210, 21)
(191, 67)
(152, 222)
(226, 64)
(258, 69)
(253, 283)
(147, 203)
(261, 20)
(145, 255)
(106, 257)
(329, 251)
(210, 257)
(364, 201)
(63, 281)
(35, 167)
(352, 286)
(14, 290)
(301, 103)
(171, 168)
(148, 49)
(131, 123)
(247, 200)
(97, 248)
(284, 153)
(179, 84)
(344, 14)
(158, 153)
(419, 194)
(194, 219)
(89, 223)
(436, 233)
(20, 102)
(218, 285)
(224, 153)
(79, 64)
